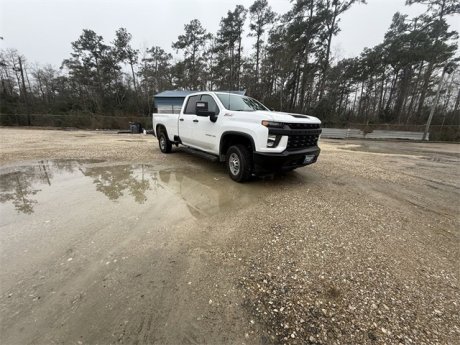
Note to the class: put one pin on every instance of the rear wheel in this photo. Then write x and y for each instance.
(239, 163)
(164, 142)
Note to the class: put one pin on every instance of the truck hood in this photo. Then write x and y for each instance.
(292, 118)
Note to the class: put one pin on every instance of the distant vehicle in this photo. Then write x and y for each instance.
(240, 131)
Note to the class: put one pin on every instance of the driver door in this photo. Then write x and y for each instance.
(204, 131)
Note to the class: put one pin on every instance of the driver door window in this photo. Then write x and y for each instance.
(212, 105)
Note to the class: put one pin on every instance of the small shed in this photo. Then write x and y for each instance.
(170, 101)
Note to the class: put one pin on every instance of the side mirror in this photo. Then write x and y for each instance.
(201, 109)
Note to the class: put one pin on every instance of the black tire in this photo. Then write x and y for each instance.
(239, 163)
(164, 142)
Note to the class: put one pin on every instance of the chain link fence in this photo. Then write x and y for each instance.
(437, 132)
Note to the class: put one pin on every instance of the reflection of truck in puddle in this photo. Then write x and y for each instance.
(205, 195)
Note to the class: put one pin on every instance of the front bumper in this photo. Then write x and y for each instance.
(284, 161)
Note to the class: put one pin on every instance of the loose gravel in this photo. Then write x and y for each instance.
(360, 248)
(368, 253)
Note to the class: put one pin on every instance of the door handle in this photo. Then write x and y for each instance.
(195, 121)
(181, 119)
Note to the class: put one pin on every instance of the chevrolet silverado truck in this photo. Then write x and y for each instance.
(240, 131)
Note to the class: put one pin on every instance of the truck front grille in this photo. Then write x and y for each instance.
(298, 142)
(303, 135)
(303, 126)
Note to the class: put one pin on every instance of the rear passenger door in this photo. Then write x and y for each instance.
(188, 121)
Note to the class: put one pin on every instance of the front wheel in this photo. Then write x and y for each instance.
(239, 163)
(164, 143)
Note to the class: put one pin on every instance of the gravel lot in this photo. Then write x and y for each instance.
(360, 248)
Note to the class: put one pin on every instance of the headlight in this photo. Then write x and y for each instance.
(272, 124)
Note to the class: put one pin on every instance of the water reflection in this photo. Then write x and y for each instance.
(204, 192)
(18, 190)
(115, 181)
(20, 187)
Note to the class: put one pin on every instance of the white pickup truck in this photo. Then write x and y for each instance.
(241, 132)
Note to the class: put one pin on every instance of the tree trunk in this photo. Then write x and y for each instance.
(239, 63)
(330, 34)
(40, 88)
(136, 96)
(414, 94)
(392, 90)
(448, 96)
(457, 103)
(339, 108)
(21, 69)
(382, 94)
(426, 84)
(403, 90)
(134, 76)
(100, 88)
(303, 85)
(257, 58)
(360, 99)
(354, 101)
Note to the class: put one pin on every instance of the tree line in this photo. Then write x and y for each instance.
(290, 67)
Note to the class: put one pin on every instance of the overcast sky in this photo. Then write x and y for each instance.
(42, 30)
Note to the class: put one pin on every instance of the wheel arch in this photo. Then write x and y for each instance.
(230, 138)
(160, 127)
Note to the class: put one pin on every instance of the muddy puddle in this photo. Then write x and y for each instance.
(47, 186)
(92, 251)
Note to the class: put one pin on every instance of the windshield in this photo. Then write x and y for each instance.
(240, 103)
